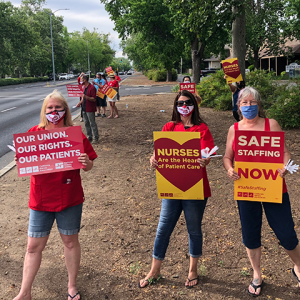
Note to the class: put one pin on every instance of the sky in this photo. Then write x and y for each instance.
(84, 13)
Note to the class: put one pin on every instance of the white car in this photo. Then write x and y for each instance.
(63, 76)
(71, 76)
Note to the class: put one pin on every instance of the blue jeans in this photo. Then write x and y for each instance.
(169, 215)
(68, 221)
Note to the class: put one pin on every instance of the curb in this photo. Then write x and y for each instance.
(10, 166)
(59, 84)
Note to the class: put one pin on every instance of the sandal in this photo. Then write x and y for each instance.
(74, 295)
(189, 280)
(150, 281)
(295, 275)
(255, 288)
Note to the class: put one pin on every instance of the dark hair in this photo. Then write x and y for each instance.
(103, 76)
(85, 77)
(242, 84)
(187, 77)
(117, 73)
(196, 119)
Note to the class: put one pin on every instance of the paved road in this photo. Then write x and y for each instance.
(20, 107)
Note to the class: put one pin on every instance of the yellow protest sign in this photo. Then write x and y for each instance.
(100, 94)
(232, 70)
(178, 174)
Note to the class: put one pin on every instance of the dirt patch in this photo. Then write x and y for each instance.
(120, 218)
(139, 79)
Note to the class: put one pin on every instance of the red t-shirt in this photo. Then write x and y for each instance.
(90, 106)
(267, 128)
(114, 83)
(118, 78)
(50, 192)
(206, 141)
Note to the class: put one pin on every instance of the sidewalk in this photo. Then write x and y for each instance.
(120, 218)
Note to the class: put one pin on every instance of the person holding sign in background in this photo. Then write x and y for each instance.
(187, 79)
(89, 107)
(185, 118)
(99, 82)
(55, 196)
(235, 94)
(279, 215)
(118, 78)
(112, 102)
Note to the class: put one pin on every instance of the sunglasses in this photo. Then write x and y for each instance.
(188, 102)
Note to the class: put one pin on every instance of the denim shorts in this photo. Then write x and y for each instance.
(68, 221)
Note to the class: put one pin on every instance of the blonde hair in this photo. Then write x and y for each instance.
(57, 96)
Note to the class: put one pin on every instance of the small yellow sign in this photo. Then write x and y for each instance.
(232, 70)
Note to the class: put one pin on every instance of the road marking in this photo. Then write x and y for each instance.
(7, 109)
(40, 100)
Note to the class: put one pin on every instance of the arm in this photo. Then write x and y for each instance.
(153, 161)
(229, 156)
(231, 86)
(274, 126)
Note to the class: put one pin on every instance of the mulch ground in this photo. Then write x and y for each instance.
(120, 218)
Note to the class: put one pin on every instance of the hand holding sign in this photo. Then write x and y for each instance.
(205, 153)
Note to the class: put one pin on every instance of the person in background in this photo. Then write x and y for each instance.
(119, 81)
(279, 215)
(79, 80)
(89, 107)
(187, 79)
(235, 94)
(99, 82)
(185, 118)
(55, 196)
(112, 102)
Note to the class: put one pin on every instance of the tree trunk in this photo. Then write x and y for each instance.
(169, 75)
(197, 49)
(256, 60)
(238, 38)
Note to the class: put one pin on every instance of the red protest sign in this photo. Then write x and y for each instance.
(48, 151)
(188, 87)
(258, 156)
(109, 71)
(259, 146)
(104, 89)
(74, 90)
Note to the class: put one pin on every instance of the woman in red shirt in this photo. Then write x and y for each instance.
(55, 196)
(119, 81)
(185, 118)
(112, 102)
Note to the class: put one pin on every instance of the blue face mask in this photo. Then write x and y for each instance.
(249, 112)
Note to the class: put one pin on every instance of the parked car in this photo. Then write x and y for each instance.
(50, 77)
(71, 76)
(129, 73)
(121, 73)
(205, 72)
(64, 76)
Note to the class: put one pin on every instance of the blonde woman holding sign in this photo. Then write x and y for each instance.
(185, 118)
(279, 215)
(55, 196)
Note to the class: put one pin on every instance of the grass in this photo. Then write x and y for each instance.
(134, 269)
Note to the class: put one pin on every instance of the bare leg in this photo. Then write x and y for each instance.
(72, 258)
(116, 111)
(32, 262)
(154, 272)
(192, 272)
(111, 110)
(254, 257)
(295, 257)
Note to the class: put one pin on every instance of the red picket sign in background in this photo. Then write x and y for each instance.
(48, 151)
(188, 87)
(74, 90)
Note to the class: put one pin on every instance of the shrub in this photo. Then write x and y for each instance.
(286, 107)
(251, 67)
(160, 75)
(12, 81)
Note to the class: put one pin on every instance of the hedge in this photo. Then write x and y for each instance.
(12, 81)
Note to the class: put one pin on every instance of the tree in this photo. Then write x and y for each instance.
(201, 23)
(238, 36)
(151, 22)
(268, 26)
(121, 63)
